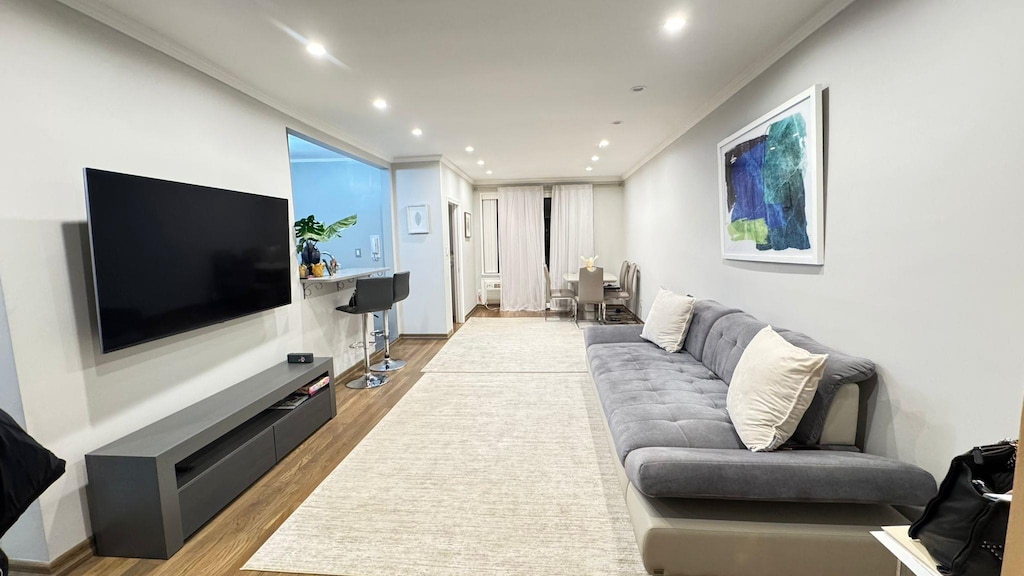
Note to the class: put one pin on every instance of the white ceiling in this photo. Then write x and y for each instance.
(533, 85)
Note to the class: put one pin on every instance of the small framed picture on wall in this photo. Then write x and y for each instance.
(418, 219)
(469, 224)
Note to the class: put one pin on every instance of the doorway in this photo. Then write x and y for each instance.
(455, 262)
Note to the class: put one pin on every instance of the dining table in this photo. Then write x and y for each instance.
(609, 278)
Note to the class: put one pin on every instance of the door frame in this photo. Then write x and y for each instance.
(455, 235)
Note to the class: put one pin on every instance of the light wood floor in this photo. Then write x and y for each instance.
(226, 543)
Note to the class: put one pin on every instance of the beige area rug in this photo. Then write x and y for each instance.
(469, 474)
(512, 345)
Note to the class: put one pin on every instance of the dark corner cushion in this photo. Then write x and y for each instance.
(26, 470)
(788, 475)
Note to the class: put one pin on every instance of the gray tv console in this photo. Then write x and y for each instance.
(157, 486)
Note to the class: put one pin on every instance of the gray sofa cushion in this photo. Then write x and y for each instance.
(651, 397)
(613, 334)
(705, 314)
(787, 475)
(726, 342)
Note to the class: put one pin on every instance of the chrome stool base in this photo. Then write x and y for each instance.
(368, 381)
(388, 365)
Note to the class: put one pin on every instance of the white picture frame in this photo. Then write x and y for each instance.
(785, 234)
(418, 219)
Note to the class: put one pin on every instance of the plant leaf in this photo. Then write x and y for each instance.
(335, 229)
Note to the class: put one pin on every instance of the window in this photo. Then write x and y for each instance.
(489, 233)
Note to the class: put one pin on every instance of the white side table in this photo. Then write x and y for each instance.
(909, 552)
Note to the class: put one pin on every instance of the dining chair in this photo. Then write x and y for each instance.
(620, 284)
(557, 294)
(590, 290)
(624, 293)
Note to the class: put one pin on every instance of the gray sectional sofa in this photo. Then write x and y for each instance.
(701, 503)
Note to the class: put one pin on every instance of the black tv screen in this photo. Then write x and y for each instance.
(170, 257)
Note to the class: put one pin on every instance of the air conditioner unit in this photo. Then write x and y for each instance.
(490, 290)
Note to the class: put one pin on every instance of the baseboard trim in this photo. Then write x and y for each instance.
(62, 566)
(425, 336)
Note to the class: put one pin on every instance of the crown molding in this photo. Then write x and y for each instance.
(454, 168)
(817, 21)
(118, 21)
(440, 158)
(417, 159)
(596, 180)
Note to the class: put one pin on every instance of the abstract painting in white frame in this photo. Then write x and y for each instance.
(418, 219)
(771, 185)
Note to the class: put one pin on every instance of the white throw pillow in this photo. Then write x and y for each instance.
(668, 320)
(771, 388)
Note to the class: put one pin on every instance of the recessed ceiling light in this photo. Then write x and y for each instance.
(595, 158)
(417, 132)
(470, 149)
(316, 49)
(589, 168)
(675, 24)
(640, 88)
(479, 162)
(490, 172)
(380, 104)
(603, 144)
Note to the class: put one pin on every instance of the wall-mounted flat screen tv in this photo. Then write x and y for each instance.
(170, 257)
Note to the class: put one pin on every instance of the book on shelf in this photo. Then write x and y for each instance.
(314, 387)
(291, 402)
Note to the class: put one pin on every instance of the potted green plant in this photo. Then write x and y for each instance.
(308, 231)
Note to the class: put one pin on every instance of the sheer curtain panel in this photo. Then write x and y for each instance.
(521, 244)
(572, 230)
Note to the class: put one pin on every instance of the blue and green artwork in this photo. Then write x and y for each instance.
(765, 187)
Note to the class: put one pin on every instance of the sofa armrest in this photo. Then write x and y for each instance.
(785, 475)
(626, 333)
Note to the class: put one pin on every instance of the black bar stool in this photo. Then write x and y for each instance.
(399, 291)
(372, 295)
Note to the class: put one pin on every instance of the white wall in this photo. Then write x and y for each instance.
(457, 189)
(922, 272)
(609, 226)
(427, 310)
(77, 94)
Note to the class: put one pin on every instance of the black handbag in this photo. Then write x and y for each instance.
(964, 525)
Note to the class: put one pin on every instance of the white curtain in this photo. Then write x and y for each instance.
(572, 230)
(521, 247)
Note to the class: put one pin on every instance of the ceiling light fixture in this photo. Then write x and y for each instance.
(316, 49)
(479, 162)
(470, 149)
(589, 168)
(675, 24)
(417, 132)
(595, 158)
(380, 104)
(489, 172)
(603, 144)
